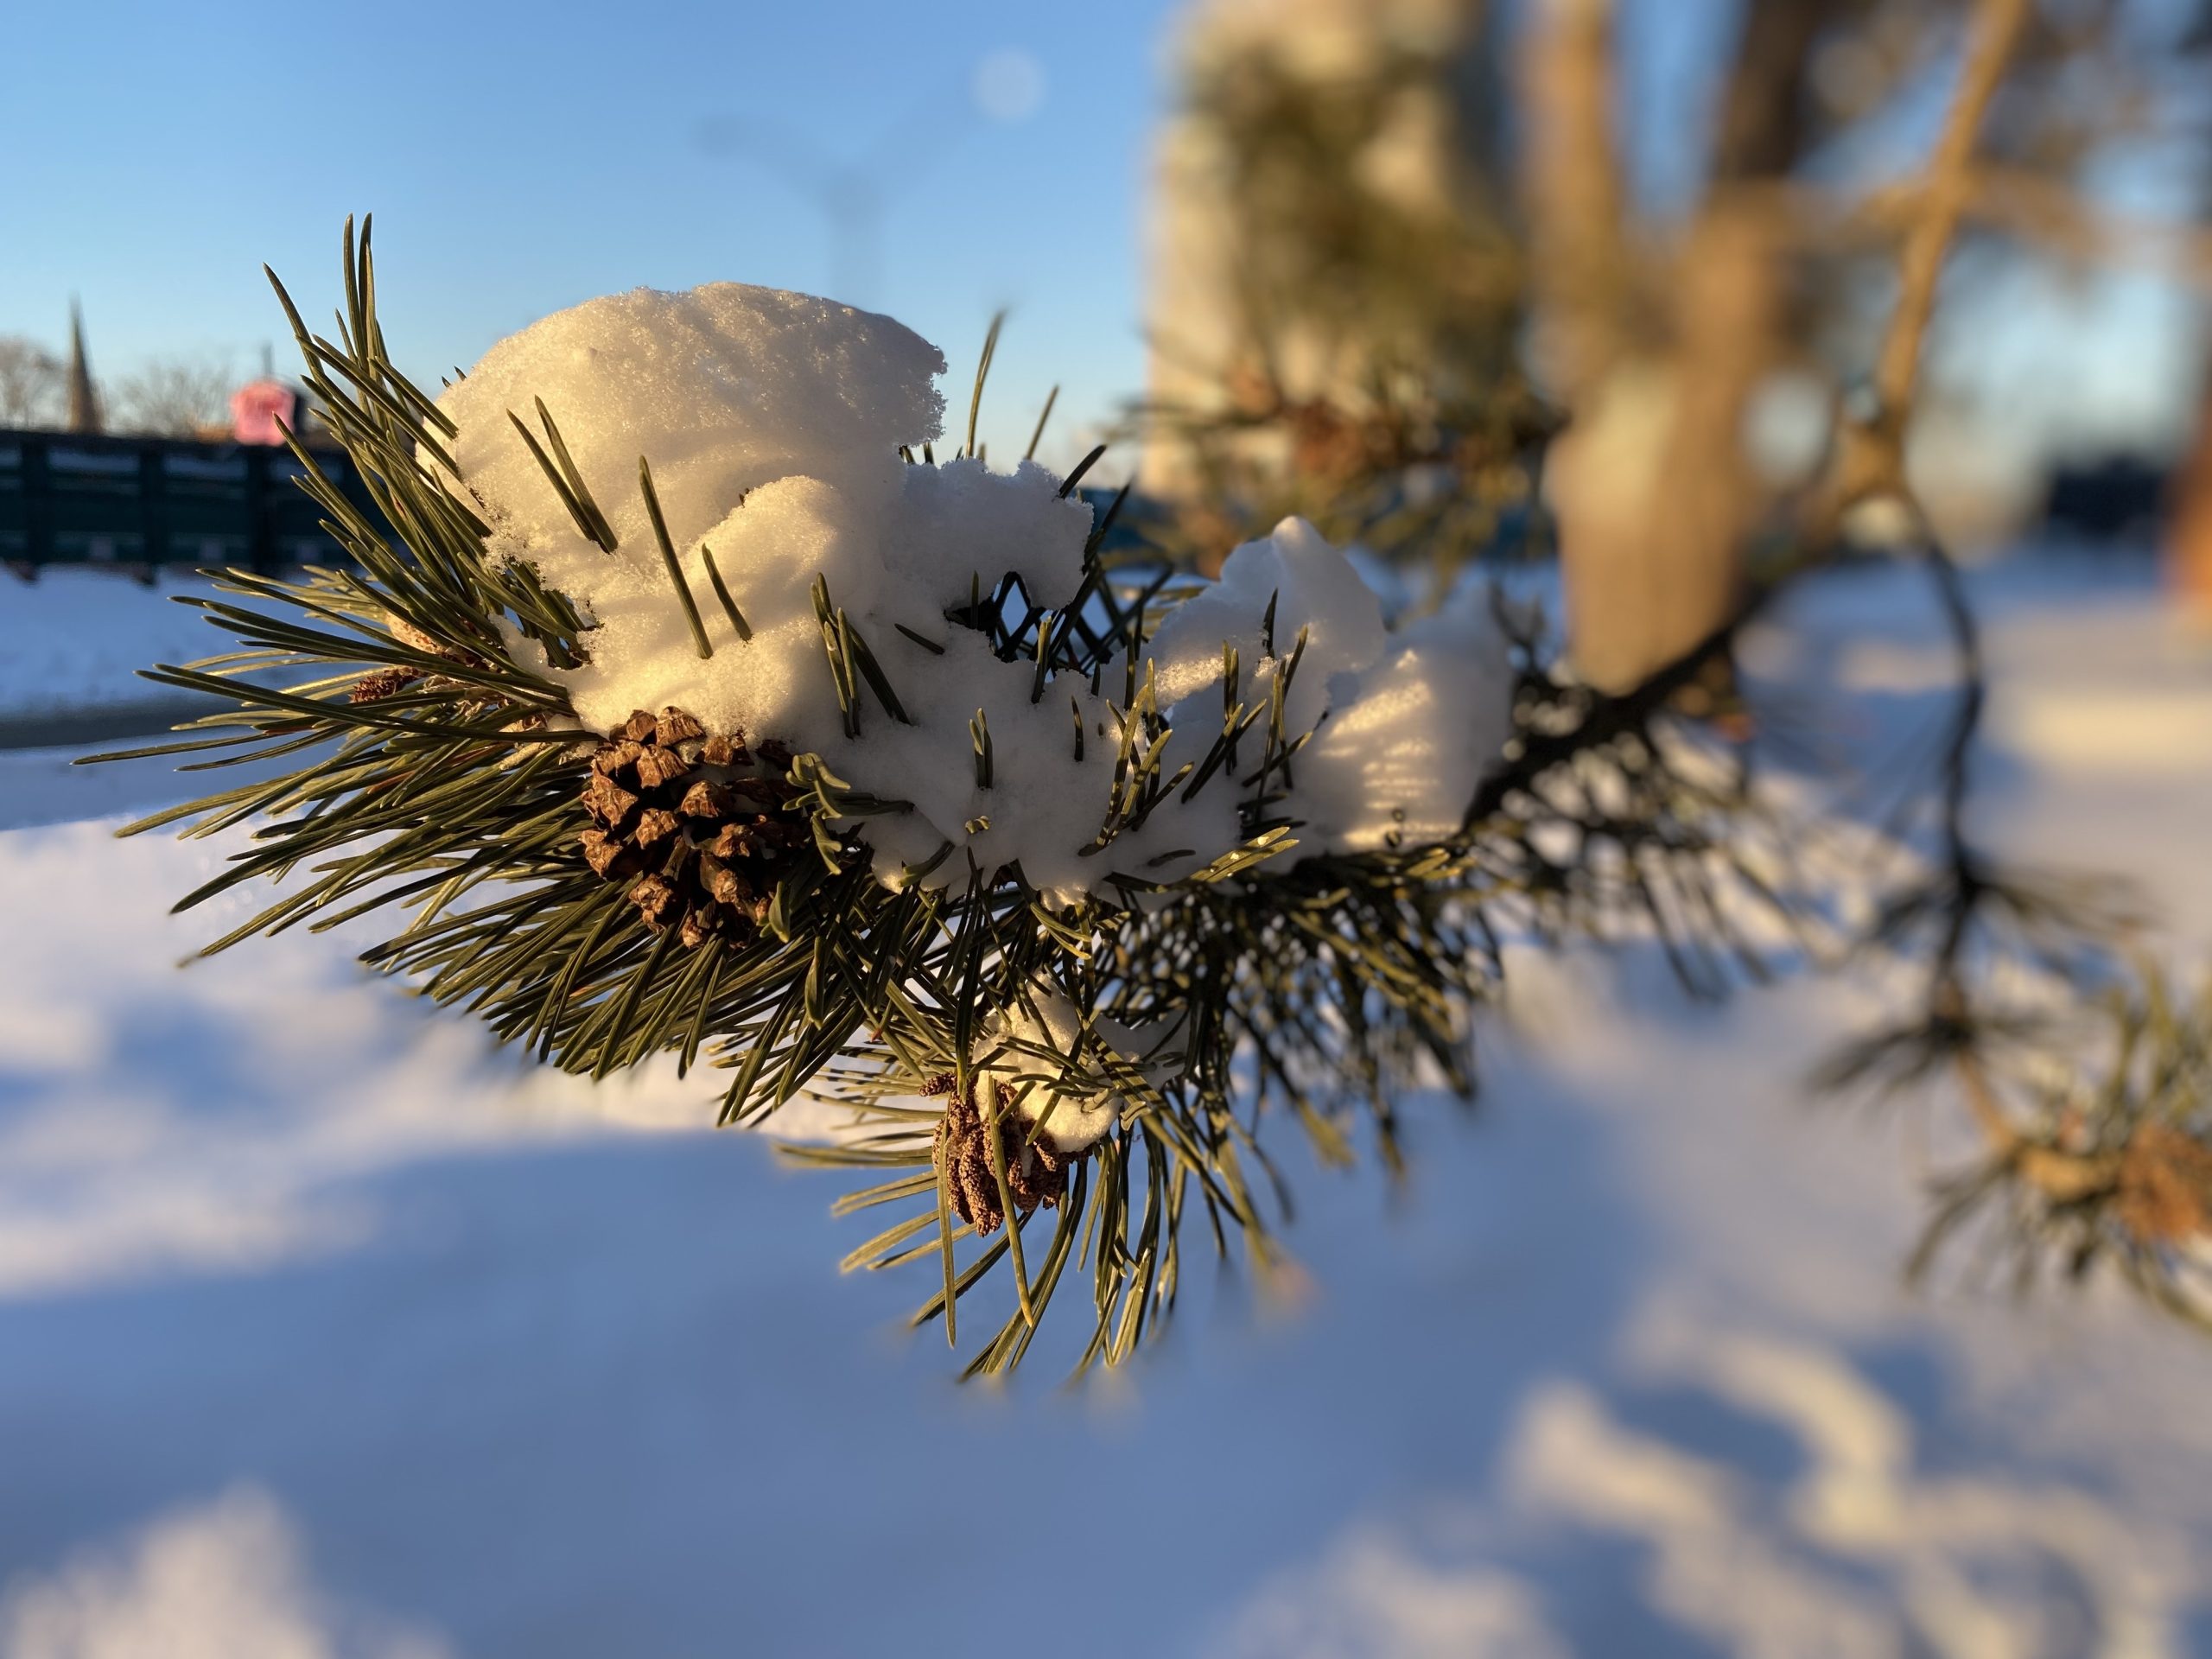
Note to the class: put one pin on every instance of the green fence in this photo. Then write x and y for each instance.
(147, 503)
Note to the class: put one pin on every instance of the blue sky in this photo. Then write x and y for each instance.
(519, 158)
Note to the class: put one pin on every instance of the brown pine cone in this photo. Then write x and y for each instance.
(701, 827)
(1036, 1169)
(2165, 1190)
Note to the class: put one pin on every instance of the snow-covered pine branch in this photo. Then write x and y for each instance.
(775, 425)
(690, 705)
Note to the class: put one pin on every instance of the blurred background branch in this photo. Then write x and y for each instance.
(174, 396)
(1396, 244)
(1409, 254)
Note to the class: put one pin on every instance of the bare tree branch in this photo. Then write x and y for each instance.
(32, 382)
(174, 396)
(1871, 456)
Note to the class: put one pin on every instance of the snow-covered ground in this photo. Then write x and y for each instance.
(71, 645)
(326, 1330)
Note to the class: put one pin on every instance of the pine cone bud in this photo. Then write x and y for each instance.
(383, 683)
(1036, 1169)
(380, 683)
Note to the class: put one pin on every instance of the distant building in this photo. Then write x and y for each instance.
(84, 396)
(259, 406)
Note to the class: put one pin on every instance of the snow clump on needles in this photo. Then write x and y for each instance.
(774, 424)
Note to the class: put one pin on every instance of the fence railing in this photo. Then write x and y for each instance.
(147, 503)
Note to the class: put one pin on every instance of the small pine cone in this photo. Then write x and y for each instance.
(2164, 1192)
(1036, 1169)
(408, 634)
(384, 683)
(700, 828)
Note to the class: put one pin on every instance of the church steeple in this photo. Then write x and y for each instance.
(84, 398)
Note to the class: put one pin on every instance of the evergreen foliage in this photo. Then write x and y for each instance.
(432, 778)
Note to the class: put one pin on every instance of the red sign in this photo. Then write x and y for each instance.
(257, 406)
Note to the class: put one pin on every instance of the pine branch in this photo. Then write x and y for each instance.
(603, 896)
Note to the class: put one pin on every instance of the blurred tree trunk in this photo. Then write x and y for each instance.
(2188, 539)
(1650, 485)
(1576, 204)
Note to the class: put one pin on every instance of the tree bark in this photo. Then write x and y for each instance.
(1652, 487)
(2188, 539)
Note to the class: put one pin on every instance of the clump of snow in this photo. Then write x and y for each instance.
(772, 423)
(1403, 722)
(1315, 590)
(1038, 1051)
(1409, 734)
(723, 388)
